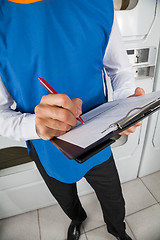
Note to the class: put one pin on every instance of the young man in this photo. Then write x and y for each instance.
(68, 43)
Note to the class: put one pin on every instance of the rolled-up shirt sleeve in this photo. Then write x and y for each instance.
(117, 65)
(15, 125)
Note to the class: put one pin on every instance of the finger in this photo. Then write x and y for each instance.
(78, 102)
(124, 133)
(139, 91)
(55, 124)
(138, 124)
(48, 133)
(46, 111)
(129, 131)
(61, 100)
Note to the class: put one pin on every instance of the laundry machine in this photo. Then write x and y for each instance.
(139, 26)
(22, 188)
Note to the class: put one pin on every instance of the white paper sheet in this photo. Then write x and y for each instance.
(98, 120)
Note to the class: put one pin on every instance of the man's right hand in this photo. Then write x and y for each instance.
(56, 114)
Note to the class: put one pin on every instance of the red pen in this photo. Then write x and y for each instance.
(51, 90)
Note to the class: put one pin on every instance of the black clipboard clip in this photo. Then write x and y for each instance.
(143, 111)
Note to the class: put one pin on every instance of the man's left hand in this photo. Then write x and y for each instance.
(139, 91)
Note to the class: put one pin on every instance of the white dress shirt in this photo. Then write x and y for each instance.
(20, 126)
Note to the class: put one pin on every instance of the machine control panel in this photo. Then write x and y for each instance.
(143, 61)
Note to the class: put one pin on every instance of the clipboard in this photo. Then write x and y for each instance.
(74, 152)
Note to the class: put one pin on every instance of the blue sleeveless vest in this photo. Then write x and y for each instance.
(62, 41)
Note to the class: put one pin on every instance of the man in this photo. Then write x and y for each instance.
(67, 43)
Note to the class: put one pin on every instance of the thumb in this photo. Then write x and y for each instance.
(139, 91)
(78, 103)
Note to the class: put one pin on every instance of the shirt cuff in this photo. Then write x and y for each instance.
(28, 127)
(123, 93)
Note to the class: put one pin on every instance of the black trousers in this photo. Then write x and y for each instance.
(105, 181)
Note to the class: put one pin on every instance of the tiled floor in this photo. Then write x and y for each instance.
(142, 216)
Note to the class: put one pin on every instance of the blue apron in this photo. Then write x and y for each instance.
(64, 42)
